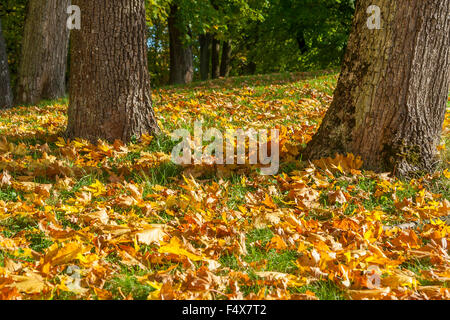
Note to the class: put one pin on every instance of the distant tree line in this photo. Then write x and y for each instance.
(206, 39)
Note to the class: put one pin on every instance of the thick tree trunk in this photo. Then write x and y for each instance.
(44, 52)
(215, 59)
(5, 84)
(225, 64)
(205, 55)
(390, 101)
(181, 59)
(110, 94)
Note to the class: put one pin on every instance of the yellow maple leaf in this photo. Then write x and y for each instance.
(97, 188)
(56, 256)
(174, 247)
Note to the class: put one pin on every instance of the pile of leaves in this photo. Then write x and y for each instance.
(116, 221)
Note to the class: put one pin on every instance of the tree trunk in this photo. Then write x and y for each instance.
(301, 42)
(181, 59)
(251, 67)
(5, 84)
(215, 59)
(205, 55)
(390, 101)
(110, 94)
(44, 52)
(225, 65)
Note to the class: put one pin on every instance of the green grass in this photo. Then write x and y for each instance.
(417, 265)
(162, 175)
(18, 223)
(276, 261)
(9, 194)
(440, 185)
(24, 224)
(257, 239)
(261, 235)
(128, 285)
(237, 191)
(38, 241)
(324, 290)
(161, 143)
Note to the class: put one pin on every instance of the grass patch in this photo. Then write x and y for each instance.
(123, 285)
(10, 194)
(323, 289)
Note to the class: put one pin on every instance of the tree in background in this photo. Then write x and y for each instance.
(110, 94)
(5, 86)
(205, 41)
(390, 101)
(181, 59)
(44, 52)
(199, 27)
(158, 41)
(225, 62)
(254, 36)
(232, 17)
(237, 37)
(215, 58)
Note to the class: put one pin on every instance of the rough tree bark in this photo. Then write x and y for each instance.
(43, 61)
(5, 84)
(390, 101)
(181, 59)
(205, 55)
(215, 59)
(110, 94)
(225, 64)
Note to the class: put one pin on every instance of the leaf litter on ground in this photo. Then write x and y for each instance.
(115, 221)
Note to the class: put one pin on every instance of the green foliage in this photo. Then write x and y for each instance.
(267, 35)
(295, 35)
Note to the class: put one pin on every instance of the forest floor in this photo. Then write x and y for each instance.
(114, 221)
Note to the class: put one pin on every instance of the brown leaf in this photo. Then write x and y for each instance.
(11, 265)
(30, 283)
(336, 196)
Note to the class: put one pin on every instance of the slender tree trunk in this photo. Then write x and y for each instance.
(301, 42)
(225, 65)
(390, 101)
(251, 67)
(110, 94)
(215, 59)
(205, 55)
(5, 84)
(181, 59)
(44, 52)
